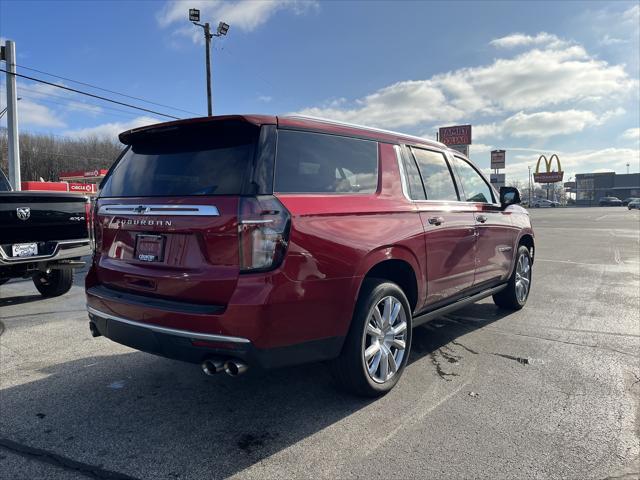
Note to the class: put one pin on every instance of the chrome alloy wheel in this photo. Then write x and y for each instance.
(523, 277)
(385, 339)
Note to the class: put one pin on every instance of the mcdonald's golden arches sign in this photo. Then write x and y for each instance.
(548, 176)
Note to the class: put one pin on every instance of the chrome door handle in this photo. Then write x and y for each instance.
(481, 218)
(436, 221)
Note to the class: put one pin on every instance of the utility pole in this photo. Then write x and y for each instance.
(223, 28)
(9, 56)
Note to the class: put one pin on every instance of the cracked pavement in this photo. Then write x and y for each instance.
(548, 392)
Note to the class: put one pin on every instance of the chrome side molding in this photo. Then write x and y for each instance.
(169, 331)
(157, 210)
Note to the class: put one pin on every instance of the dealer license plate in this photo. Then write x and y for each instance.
(25, 249)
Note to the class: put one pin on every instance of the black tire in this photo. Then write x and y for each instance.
(55, 283)
(508, 298)
(349, 369)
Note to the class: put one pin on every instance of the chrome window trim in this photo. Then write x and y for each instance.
(403, 174)
(160, 210)
(169, 331)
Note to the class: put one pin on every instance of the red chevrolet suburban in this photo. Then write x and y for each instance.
(263, 241)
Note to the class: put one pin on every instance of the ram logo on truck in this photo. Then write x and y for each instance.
(23, 213)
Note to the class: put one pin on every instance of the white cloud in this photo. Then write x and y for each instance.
(245, 15)
(111, 130)
(531, 80)
(631, 134)
(486, 130)
(33, 114)
(544, 124)
(265, 98)
(521, 40)
(608, 40)
(401, 104)
(631, 16)
(477, 148)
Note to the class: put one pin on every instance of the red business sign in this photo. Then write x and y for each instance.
(82, 187)
(548, 177)
(456, 135)
(84, 174)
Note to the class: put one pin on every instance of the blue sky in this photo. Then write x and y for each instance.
(532, 77)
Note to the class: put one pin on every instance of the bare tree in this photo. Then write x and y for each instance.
(47, 156)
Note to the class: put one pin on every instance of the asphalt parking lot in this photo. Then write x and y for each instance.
(548, 392)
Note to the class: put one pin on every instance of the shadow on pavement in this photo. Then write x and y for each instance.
(151, 417)
(18, 300)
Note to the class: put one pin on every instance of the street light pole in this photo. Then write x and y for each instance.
(8, 54)
(207, 43)
(223, 28)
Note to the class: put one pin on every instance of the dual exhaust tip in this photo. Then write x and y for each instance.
(232, 368)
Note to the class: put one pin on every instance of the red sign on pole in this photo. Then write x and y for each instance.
(456, 135)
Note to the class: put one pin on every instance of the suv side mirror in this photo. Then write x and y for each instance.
(509, 196)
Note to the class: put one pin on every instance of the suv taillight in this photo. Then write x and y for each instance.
(96, 233)
(88, 212)
(263, 232)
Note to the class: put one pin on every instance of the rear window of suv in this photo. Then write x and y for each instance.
(185, 161)
(320, 163)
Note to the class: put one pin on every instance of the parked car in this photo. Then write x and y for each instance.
(634, 204)
(610, 202)
(260, 241)
(544, 203)
(626, 201)
(43, 236)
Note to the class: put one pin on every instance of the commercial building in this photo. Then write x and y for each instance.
(590, 187)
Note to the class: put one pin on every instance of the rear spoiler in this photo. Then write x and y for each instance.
(129, 137)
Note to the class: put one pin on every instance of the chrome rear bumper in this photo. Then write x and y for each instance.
(63, 249)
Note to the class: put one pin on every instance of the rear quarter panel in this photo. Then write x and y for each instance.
(336, 239)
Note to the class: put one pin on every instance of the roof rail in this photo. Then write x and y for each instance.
(355, 125)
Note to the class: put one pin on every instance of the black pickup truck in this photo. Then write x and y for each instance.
(43, 236)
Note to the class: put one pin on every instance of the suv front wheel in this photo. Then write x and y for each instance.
(377, 347)
(515, 295)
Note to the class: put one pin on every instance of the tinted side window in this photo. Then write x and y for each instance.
(318, 163)
(474, 186)
(416, 189)
(436, 176)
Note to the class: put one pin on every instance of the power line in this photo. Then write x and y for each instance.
(72, 105)
(107, 90)
(90, 94)
(37, 95)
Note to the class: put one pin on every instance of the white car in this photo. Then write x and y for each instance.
(544, 203)
(634, 204)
